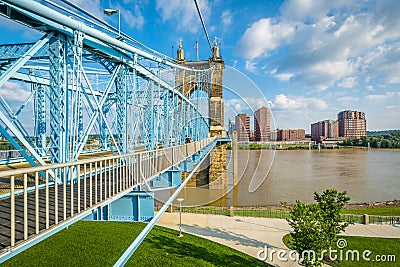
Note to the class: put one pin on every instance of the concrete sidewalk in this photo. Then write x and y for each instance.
(250, 234)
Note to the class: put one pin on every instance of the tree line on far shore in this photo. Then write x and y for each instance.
(378, 141)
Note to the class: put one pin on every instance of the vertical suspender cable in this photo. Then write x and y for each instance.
(202, 23)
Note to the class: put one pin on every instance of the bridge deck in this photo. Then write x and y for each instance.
(87, 199)
(34, 208)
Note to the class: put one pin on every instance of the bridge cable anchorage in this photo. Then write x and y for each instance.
(202, 23)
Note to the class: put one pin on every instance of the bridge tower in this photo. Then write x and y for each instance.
(214, 172)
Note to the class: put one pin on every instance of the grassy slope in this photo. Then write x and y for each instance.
(102, 243)
(378, 246)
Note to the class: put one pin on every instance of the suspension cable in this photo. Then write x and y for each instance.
(202, 22)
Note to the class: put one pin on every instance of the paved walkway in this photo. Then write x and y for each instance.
(250, 234)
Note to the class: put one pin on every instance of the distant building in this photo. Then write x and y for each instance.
(274, 135)
(251, 137)
(327, 129)
(288, 135)
(262, 124)
(352, 124)
(242, 126)
(283, 135)
(231, 127)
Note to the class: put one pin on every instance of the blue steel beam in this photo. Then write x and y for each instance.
(149, 115)
(135, 244)
(181, 110)
(23, 59)
(14, 117)
(121, 109)
(45, 15)
(9, 52)
(167, 113)
(20, 138)
(98, 112)
(40, 118)
(58, 99)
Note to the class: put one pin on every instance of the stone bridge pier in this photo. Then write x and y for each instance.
(213, 173)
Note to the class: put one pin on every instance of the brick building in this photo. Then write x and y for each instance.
(327, 129)
(288, 135)
(242, 125)
(262, 125)
(352, 124)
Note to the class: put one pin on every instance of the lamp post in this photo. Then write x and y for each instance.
(180, 216)
(109, 12)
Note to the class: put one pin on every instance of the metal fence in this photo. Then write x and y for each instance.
(281, 214)
(6, 154)
(392, 220)
(38, 199)
(352, 218)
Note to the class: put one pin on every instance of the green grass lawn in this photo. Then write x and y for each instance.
(102, 243)
(382, 211)
(378, 246)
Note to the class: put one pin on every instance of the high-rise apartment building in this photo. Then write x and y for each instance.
(242, 125)
(352, 124)
(324, 129)
(262, 124)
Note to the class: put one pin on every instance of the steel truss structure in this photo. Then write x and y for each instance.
(91, 89)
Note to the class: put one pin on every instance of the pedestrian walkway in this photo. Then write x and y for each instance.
(250, 234)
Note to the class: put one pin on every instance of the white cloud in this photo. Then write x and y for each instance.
(281, 76)
(184, 13)
(369, 87)
(250, 66)
(347, 100)
(94, 6)
(393, 107)
(348, 82)
(226, 19)
(14, 91)
(327, 42)
(382, 97)
(283, 102)
(135, 19)
(308, 10)
(246, 104)
(262, 37)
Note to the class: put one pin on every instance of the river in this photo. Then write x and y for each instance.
(270, 177)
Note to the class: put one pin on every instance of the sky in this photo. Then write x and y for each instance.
(306, 59)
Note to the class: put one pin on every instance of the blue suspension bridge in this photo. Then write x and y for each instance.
(113, 121)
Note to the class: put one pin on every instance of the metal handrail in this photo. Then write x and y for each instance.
(78, 187)
(91, 160)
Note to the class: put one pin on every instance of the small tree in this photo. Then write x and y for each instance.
(305, 219)
(316, 226)
(330, 203)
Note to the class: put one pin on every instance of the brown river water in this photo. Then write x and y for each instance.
(268, 177)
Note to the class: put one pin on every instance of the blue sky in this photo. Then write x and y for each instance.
(310, 59)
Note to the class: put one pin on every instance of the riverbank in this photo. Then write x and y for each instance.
(371, 206)
(383, 212)
(301, 147)
(377, 205)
